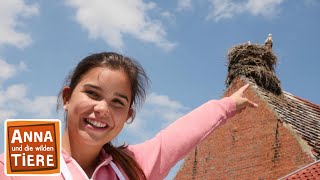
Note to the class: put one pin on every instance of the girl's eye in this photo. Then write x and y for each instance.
(118, 102)
(92, 94)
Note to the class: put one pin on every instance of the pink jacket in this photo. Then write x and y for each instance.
(159, 154)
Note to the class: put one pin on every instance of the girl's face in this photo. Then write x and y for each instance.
(98, 107)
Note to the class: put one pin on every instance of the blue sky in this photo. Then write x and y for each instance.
(182, 45)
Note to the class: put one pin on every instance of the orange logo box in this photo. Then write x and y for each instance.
(32, 147)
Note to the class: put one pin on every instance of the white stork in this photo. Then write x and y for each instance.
(268, 43)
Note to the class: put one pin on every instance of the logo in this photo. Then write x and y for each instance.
(32, 147)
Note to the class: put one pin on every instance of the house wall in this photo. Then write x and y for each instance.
(251, 145)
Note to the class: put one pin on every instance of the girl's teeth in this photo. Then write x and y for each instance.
(96, 123)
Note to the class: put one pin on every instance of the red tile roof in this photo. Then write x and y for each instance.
(311, 171)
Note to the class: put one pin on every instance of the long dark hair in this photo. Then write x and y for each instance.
(139, 82)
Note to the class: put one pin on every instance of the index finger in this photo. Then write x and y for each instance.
(243, 88)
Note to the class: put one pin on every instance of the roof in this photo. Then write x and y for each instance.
(302, 116)
(311, 171)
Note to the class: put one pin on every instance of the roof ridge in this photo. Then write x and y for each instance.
(302, 99)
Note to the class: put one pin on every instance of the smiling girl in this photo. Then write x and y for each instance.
(99, 97)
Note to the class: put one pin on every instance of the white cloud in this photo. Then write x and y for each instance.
(5, 114)
(15, 92)
(14, 99)
(137, 130)
(267, 8)
(9, 70)
(158, 112)
(184, 5)
(22, 66)
(6, 70)
(40, 106)
(12, 13)
(226, 9)
(168, 16)
(111, 20)
(163, 101)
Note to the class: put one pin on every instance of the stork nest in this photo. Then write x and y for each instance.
(255, 62)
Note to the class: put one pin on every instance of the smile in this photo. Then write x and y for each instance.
(96, 124)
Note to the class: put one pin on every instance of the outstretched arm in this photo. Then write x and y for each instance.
(159, 154)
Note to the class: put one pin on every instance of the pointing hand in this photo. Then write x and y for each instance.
(241, 101)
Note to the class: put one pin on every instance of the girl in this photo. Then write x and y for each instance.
(102, 93)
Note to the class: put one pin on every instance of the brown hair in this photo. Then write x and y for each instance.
(139, 82)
